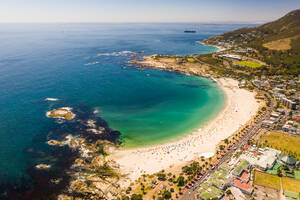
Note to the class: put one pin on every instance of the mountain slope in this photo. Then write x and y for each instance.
(277, 42)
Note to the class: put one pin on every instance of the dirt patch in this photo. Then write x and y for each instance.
(266, 193)
(280, 45)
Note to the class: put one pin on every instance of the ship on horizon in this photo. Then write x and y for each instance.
(190, 31)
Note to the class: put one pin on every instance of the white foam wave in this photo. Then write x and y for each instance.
(51, 99)
(96, 111)
(120, 53)
(199, 42)
(91, 63)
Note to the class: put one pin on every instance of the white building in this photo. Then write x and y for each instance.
(264, 161)
(231, 56)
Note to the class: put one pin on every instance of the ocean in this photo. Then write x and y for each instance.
(86, 67)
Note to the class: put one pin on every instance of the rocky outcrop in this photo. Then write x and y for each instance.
(61, 113)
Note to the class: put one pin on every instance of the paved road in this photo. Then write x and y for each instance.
(191, 193)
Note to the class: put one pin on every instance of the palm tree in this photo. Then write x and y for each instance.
(221, 147)
(226, 141)
(279, 172)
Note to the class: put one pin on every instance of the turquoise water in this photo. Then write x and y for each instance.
(172, 105)
(51, 60)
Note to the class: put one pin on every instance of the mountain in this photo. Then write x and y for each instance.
(277, 42)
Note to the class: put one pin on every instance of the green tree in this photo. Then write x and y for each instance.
(180, 181)
(221, 147)
(191, 169)
(279, 172)
(226, 141)
(136, 197)
(180, 189)
(166, 194)
(161, 177)
(228, 192)
(125, 198)
(128, 190)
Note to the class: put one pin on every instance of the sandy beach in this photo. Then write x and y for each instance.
(240, 107)
(219, 48)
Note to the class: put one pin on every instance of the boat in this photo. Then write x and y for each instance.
(189, 31)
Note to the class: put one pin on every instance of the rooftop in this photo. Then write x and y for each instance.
(265, 160)
(245, 176)
(287, 159)
(207, 191)
(243, 165)
(243, 186)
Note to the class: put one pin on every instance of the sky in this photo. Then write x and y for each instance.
(250, 11)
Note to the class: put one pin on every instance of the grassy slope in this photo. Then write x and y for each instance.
(285, 27)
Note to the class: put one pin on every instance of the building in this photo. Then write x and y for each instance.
(275, 115)
(296, 117)
(261, 97)
(289, 127)
(242, 178)
(236, 192)
(242, 84)
(245, 187)
(268, 124)
(281, 110)
(287, 160)
(288, 103)
(250, 50)
(264, 159)
(242, 166)
(209, 192)
(231, 56)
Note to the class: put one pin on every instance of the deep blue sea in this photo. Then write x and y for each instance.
(86, 65)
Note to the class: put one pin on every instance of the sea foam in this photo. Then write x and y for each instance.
(120, 53)
(51, 99)
(91, 63)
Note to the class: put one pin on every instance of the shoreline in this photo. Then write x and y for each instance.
(188, 147)
(219, 48)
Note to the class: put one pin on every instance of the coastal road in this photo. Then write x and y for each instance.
(190, 194)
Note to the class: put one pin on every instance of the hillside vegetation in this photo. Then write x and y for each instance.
(277, 42)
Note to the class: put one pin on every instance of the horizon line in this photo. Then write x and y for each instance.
(146, 22)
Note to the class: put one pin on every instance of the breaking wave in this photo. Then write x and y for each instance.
(120, 53)
(91, 63)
